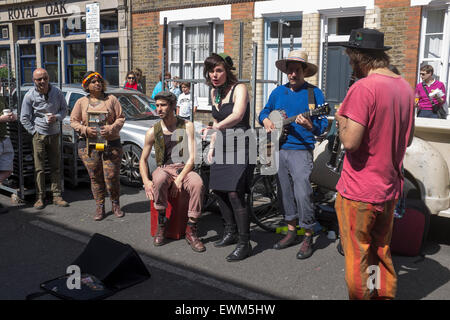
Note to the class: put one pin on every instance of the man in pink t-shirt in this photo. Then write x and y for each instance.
(375, 121)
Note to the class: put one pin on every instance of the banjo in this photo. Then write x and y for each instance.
(280, 119)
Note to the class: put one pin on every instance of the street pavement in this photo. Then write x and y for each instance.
(36, 246)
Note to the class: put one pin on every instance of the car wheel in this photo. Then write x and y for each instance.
(129, 167)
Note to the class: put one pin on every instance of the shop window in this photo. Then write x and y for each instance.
(27, 62)
(50, 28)
(110, 60)
(50, 60)
(4, 33)
(109, 23)
(25, 31)
(75, 25)
(75, 62)
(4, 53)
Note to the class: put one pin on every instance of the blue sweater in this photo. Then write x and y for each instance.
(294, 103)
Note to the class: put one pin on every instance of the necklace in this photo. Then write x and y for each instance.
(221, 92)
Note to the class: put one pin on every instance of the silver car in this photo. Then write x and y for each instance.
(139, 117)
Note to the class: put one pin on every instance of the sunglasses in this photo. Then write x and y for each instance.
(132, 78)
(40, 79)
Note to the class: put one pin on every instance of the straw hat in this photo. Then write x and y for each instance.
(297, 56)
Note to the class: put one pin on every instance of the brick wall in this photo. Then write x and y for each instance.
(159, 5)
(401, 25)
(146, 38)
(311, 41)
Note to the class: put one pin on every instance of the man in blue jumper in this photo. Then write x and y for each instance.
(296, 152)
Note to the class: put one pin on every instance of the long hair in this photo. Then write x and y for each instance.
(368, 59)
(213, 61)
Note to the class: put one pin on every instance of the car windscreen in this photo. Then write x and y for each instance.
(136, 107)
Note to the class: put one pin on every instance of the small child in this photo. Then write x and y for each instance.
(184, 104)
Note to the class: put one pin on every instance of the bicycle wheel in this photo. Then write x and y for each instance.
(263, 203)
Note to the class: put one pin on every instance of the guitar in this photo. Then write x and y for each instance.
(280, 119)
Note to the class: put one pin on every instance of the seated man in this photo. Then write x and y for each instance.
(172, 175)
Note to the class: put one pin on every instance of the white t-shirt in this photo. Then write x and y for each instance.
(185, 105)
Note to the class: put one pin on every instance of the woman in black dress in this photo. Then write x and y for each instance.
(231, 173)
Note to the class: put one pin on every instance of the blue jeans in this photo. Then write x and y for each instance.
(427, 114)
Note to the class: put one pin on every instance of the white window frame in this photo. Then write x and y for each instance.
(270, 43)
(202, 101)
(334, 13)
(443, 73)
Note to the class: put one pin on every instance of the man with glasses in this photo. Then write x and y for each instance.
(43, 108)
(430, 95)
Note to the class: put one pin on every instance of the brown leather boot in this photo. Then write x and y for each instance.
(192, 238)
(99, 212)
(116, 209)
(158, 240)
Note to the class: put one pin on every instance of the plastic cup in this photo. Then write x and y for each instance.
(6, 112)
(47, 115)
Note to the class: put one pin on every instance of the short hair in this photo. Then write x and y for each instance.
(368, 59)
(167, 96)
(427, 68)
(86, 85)
(186, 84)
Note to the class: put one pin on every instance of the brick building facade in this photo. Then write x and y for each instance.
(404, 22)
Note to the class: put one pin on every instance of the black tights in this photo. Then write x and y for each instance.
(234, 211)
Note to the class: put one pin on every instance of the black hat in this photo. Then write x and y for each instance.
(364, 38)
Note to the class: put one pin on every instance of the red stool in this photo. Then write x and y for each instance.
(176, 213)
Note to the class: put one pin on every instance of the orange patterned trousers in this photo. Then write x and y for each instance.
(366, 230)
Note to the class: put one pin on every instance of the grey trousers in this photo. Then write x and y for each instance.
(295, 167)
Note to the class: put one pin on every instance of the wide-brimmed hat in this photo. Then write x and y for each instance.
(297, 56)
(364, 38)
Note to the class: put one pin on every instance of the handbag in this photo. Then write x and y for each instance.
(436, 108)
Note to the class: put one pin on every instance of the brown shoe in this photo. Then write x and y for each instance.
(158, 240)
(60, 202)
(39, 204)
(287, 241)
(116, 209)
(192, 238)
(99, 212)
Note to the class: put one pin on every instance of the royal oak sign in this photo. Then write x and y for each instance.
(29, 11)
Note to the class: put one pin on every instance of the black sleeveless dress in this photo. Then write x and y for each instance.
(231, 170)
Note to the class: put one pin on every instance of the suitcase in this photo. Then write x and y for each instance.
(409, 233)
(177, 215)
